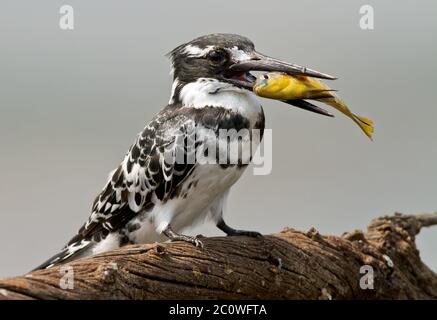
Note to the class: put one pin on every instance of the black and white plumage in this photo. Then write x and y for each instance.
(149, 197)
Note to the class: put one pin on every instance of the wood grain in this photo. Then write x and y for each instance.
(288, 265)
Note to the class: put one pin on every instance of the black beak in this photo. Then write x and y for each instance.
(260, 62)
(238, 73)
(303, 104)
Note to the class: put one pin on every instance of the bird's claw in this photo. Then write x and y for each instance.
(173, 236)
(192, 240)
(198, 243)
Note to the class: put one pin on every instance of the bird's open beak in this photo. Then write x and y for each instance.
(239, 74)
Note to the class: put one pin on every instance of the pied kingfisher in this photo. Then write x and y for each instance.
(148, 198)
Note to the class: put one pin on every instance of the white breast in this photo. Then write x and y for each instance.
(213, 93)
(211, 181)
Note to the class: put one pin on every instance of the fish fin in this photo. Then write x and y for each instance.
(322, 90)
(317, 94)
(366, 124)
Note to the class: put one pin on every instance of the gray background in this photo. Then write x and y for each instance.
(71, 103)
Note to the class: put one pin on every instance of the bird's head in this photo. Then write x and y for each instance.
(226, 60)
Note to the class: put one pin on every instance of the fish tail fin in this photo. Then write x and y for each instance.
(365, 124)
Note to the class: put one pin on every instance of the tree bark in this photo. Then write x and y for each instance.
(287, 265)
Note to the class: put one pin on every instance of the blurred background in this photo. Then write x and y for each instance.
(72, 102)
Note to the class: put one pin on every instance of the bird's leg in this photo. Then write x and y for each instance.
(221, 224)
(173, 236)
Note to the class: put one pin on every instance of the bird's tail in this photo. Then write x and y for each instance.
(68, 253)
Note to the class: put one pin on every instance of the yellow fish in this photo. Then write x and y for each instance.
(281, 86)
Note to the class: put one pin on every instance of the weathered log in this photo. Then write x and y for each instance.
(288, 265)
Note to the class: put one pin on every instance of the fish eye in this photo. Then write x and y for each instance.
(217, 56)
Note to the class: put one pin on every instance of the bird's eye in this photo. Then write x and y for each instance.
(217, 56)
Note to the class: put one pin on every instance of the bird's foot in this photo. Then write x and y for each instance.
(173, 236)
(253, 234)
(234, 232)
(193, 240)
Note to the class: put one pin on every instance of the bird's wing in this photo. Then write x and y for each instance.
(152, 166)
(149, 167)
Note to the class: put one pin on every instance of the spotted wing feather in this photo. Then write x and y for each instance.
(148, 168)
(149, 172)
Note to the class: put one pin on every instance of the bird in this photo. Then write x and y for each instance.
(150, 197)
